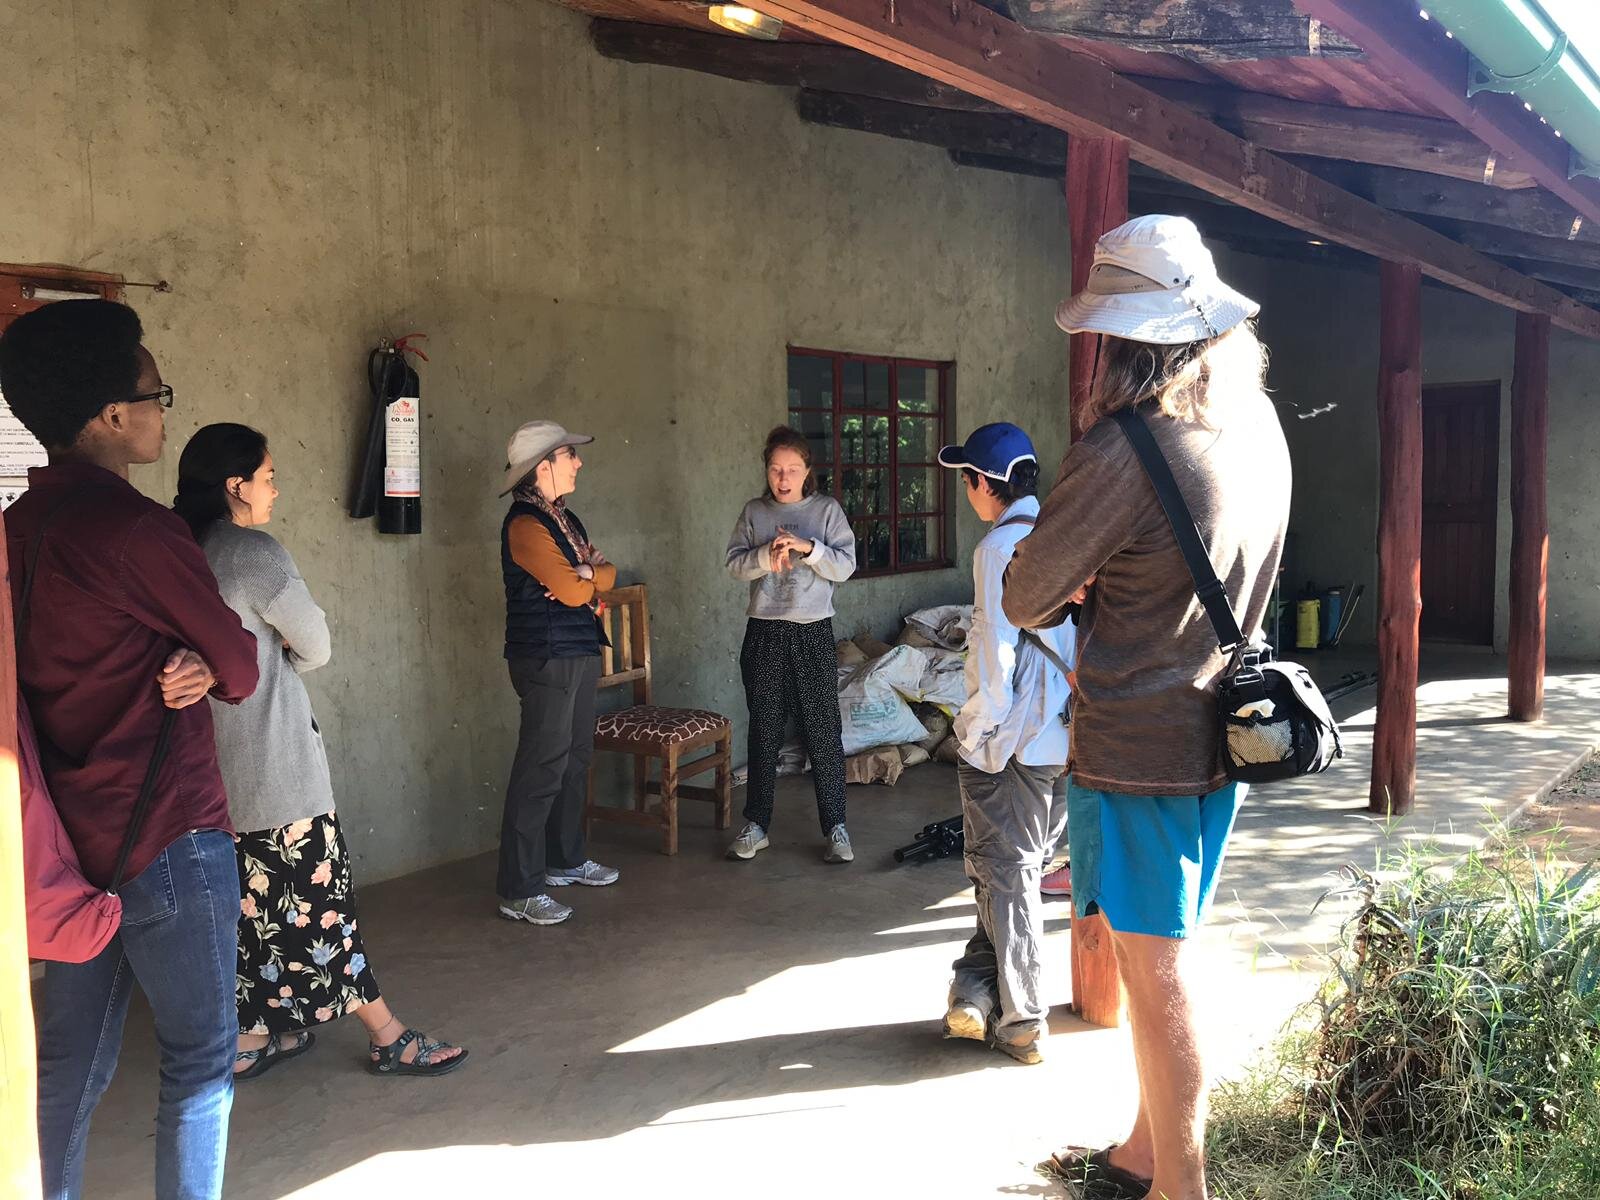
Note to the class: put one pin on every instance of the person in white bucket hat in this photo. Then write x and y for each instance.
(553, 577)
(1148, 803)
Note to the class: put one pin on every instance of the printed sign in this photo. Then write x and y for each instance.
(19, 450)
(402, 448)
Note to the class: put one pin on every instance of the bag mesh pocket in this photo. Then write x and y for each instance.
(1254, 742)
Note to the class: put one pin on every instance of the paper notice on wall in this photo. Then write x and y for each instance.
(402, 448)
(19, 450)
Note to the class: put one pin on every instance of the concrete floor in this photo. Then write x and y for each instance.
(721, 1030)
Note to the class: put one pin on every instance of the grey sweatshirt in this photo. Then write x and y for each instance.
(803, 593)
(269, 747)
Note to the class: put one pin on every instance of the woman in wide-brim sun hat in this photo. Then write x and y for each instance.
(1149, 808)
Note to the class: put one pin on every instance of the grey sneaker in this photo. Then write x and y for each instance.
(752, 838)
(838, 848)
(590, 874)
(964, 1021)
(536, 910)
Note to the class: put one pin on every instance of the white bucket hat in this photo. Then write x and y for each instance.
(1153, 280)
(531, 443)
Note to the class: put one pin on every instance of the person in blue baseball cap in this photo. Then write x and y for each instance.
(1013, 739)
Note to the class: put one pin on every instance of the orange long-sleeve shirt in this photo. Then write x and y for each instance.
(534, 549)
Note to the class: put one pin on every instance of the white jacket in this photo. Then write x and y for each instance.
(1016, 694)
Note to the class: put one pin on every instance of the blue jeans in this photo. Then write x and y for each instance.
(179, 938)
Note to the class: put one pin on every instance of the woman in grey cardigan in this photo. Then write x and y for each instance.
(301, 957)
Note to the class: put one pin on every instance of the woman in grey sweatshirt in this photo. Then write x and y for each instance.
(793, 545)
(302, 961)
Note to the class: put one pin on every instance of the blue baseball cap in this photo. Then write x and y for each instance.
(991, 450)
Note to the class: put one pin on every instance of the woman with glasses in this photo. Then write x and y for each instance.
(553, 577)
(302, 961)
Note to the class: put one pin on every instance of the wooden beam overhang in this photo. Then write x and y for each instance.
(962, 44)
(1201, 30)
(1283, 126)
(1430, 67)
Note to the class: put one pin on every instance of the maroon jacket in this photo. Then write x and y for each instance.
(120, 585)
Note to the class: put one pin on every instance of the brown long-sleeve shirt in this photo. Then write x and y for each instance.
(536, 552)
(1144, 716)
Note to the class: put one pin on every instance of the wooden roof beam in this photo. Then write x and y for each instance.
(1201, 30)
(960, 43)
(1428, 66)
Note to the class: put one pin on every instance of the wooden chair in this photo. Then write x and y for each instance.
(649, 732)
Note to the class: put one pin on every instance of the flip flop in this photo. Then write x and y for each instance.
(1094, 1175)
(266, 1057)
(389, 1062)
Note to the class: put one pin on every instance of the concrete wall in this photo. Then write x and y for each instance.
(1321, 326)
(625, 249)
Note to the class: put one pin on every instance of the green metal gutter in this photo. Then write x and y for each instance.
(1518, 48)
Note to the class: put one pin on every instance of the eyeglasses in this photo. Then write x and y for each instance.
(162, 396)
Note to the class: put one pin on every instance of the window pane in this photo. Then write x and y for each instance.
(919, 540)
(866, 493)
(872, 546)
(854, 387)
(825, 480)
(810, 381)
(919, 389)
(818, 428)
(877, 385)
(919, 439)
(921, 489)
(864, 439)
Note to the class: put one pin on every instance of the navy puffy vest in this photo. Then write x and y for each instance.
(537, 626)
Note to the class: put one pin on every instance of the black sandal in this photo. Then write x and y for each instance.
(264, 1058)
(387, 1061)
(1093, 1174)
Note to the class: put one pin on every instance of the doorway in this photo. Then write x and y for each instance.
(1460, 508)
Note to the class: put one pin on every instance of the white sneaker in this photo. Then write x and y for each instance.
(838, 847)
(752, 838)
(536, 910)
(589, 873)
(965, 1021)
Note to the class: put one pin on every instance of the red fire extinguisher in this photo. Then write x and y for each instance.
(390, 480)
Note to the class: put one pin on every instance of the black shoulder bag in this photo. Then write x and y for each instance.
(1274, 722)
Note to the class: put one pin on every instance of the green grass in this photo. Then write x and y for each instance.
(1452, 1054)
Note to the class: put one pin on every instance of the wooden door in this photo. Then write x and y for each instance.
(1460, 507)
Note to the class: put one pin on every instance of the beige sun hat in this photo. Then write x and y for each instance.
(531, 443)
(1154, 280)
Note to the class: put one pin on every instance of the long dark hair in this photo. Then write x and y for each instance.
(213, 456)
(783, 437)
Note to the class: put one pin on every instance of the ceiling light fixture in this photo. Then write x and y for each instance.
(746, 21)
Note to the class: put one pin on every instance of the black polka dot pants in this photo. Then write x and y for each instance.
(791, 668)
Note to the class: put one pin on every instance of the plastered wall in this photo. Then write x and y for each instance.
(624, 249)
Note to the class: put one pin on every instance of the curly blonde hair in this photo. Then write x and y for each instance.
(1190, 381)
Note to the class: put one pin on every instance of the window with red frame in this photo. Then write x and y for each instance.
(875, 426)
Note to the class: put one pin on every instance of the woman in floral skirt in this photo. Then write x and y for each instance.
(301, 958)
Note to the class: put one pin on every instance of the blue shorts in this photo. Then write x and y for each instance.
(1149, 863)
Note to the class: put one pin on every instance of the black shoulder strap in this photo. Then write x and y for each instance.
(169, 716)
(1213, 596)
(1019, 519)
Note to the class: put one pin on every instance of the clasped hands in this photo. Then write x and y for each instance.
(788, 544)
(185, 679)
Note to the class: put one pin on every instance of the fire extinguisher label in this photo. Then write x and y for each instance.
(402, 448)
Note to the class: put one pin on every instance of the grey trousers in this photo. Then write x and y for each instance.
(543, 821)
(1011, 821)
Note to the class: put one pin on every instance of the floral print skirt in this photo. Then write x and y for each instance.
(301, 961)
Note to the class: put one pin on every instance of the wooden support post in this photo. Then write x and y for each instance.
(1394, 742)
(1530, 529)
(1097, 201)
(19, 1148)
